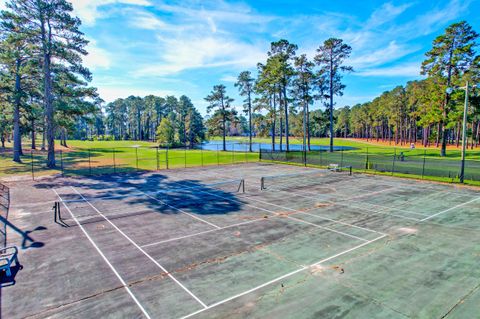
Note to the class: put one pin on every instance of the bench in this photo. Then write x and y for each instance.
(8, 255)
(334, 167)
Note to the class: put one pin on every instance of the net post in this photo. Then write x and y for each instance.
(350, 170)
(233, 153)
(259, 154)
(201, 154)
(262, 183)
(157, 159)
(55, 212)
(185, 157)
(218, 159)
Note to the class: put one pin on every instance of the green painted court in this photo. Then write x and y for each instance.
(211, 243)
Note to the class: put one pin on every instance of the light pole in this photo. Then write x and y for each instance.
(464, 128)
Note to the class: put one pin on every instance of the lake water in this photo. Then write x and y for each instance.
(242, 147)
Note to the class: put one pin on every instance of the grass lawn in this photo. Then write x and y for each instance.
(97, 157)
(364, 146)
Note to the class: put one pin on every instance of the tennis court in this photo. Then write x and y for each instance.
(253, 240)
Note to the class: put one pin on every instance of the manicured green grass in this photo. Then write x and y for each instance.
(363, 147)
(99, 157)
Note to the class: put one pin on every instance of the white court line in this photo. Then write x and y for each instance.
(203, 232)
(182, 211)
(346, 200)
(451, 208)
(275, 213)
(375, 212)
(124, 284)
(144, 252)
(283, 277)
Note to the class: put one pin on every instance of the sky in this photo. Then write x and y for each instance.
(142, 47)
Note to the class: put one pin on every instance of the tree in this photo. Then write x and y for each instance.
(245, 83)
(48, 24)
(280, 56)
(331, 56)
(451, 55)
(221, 102)
(166, 133)
(302, 86)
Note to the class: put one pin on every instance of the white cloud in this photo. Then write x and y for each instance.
(87, 10)
(109, 93)
(97, 58)
(229, 78)
(387, 12)
(380, 56)
(401, 70)
(145, 20)
(200, 52)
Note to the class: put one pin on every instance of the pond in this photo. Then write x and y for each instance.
(242, 147)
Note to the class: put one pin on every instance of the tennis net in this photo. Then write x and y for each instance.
(84, 209)
(305, 179)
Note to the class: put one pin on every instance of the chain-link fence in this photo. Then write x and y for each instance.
(96, 161)
(420, 163)
(4, 207)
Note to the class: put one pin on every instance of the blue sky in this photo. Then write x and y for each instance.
(141, 47)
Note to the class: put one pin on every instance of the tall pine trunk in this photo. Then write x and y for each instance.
(286, 116)
(17, 138)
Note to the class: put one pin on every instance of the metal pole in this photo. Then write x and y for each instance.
(218, 160)
(89, 163)
(366, 161)
(394, 157)
(201, 154)
(114, 165)
(185, 157)
(157, 159)
(233, 153)
(136, 156)
(166, 157)
(464, 137)
(61, 163)
(341, 158)
(31, 158)
(424, 156)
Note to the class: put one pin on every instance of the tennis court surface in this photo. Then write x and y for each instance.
(254, 240)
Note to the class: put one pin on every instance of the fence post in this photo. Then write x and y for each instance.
(201, 154)
(114, 165)
(136, 156)
(259, 153)
(394, 157)
(185, 157)
(341, 158)
(366, 161)
(166, 156)
(218, 159)
(424, 156)
(246, 157)
(89, 163)
(157, 159)
(233, 153)
(61, 163)
(31, 158)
